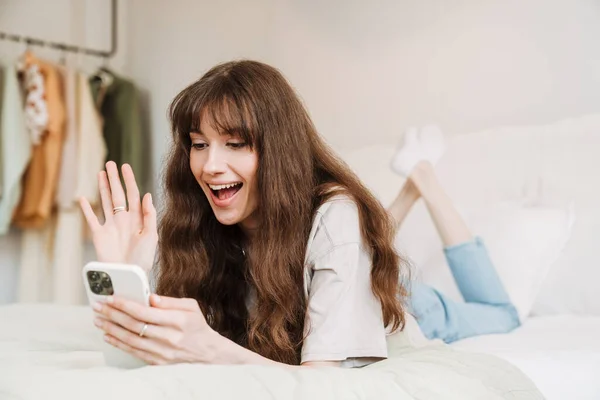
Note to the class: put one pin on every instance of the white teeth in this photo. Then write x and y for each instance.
(219, 187)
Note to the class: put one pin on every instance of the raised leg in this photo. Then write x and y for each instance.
(449, 223)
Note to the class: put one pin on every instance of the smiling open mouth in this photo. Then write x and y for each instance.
(224, 192)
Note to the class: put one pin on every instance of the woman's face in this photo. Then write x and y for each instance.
(225, 168)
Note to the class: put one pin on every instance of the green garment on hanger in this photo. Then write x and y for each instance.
(118, 103)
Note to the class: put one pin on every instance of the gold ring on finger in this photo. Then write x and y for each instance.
(118, 209)
(143, 330)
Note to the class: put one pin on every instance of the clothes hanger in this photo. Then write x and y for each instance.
(62, 59)
(27, 55)
(103, 74)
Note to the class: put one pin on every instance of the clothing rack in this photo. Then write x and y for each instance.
(71, 48)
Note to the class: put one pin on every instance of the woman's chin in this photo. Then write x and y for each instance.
(227, 218)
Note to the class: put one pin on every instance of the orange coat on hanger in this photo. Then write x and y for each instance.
(40, 180)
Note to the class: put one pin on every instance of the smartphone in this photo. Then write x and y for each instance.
(123, 280)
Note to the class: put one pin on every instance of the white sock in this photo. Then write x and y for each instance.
(432, 142)
(409, 154)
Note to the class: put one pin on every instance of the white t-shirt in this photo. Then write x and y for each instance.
(344, 320)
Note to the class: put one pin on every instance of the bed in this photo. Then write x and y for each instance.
(561, 354)
(53, 352)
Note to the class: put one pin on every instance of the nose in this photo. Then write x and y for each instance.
(215, 163)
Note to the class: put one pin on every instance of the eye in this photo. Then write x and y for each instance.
(237, 145)
(198, 146)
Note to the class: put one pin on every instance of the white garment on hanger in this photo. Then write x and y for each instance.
(68, 258)
(68, 240)
(92, 149)
(84, 154)
(35, 283)
(68, 174)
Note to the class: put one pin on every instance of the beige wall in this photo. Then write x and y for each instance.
(367, 70)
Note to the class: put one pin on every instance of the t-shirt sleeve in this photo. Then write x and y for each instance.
(344, 319)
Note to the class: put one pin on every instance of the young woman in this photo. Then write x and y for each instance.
(487, 307)
(271, 250)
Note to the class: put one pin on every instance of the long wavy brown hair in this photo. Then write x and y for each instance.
(297, 172)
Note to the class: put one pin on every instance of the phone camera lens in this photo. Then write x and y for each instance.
(106, 282)
(96, 288)
(93, 275)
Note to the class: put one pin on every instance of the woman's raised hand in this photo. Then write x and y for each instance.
(129, 234)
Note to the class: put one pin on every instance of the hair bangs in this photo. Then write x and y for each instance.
(184, 111)
(217, 102)
(229, 115)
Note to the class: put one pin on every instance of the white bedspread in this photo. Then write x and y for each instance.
(52, 352)
(561, 354)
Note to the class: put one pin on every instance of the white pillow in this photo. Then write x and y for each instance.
(523, 243)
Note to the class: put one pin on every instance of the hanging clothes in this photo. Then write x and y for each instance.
(84, 153)
(36, 109)
(92, 149)
(35, 264)
(33, 213)
(40, 179)
(67, 176)
(15, 146)
(68, 242)
(118, 102)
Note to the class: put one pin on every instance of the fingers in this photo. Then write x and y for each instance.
(147, 357)
(116, 189)
(141, 312)
(113, 195)
(89, 214)
(149, 213)
(143, 348)
(131, 324)
(133, 195)
(174, 303)
(105, 195)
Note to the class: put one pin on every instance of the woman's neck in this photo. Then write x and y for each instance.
(249, 226)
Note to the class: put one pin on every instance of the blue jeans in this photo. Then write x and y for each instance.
(487, 307)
